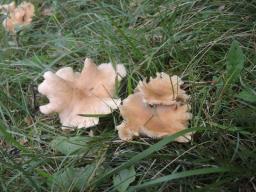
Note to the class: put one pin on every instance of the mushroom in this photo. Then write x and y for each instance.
(6, 8)
(17, 16)
(72, 94)
(155, 111)
(162, 90)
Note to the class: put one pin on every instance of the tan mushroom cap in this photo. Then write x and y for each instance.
(153, 121)
(6, 8)
(156, 109)
(89, 92)
(17, 16)
(162, 90)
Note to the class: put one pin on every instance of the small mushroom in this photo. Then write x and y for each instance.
(73, 94)
(6, 8)
(17, 16)
(162, 90)
(157, 120)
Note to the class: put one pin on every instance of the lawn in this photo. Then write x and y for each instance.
(211, 44)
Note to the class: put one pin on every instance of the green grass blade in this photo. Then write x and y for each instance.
(182, 174)
(146, 153)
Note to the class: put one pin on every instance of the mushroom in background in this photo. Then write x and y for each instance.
(6, 8)
(156, 109)
(17, 16)
(72, 94)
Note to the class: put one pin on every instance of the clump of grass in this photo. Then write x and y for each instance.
(191, 38)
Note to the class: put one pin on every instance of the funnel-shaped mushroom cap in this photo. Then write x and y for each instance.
(28, 10)
(7, 8)
(156, 109)
(153, 121)
(90, 93)
(162, 90)
(17, 16)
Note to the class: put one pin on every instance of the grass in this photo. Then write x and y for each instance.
(190, 38)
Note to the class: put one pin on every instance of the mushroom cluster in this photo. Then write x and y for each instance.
(80, 98)
(156, 109)
(19, 16)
